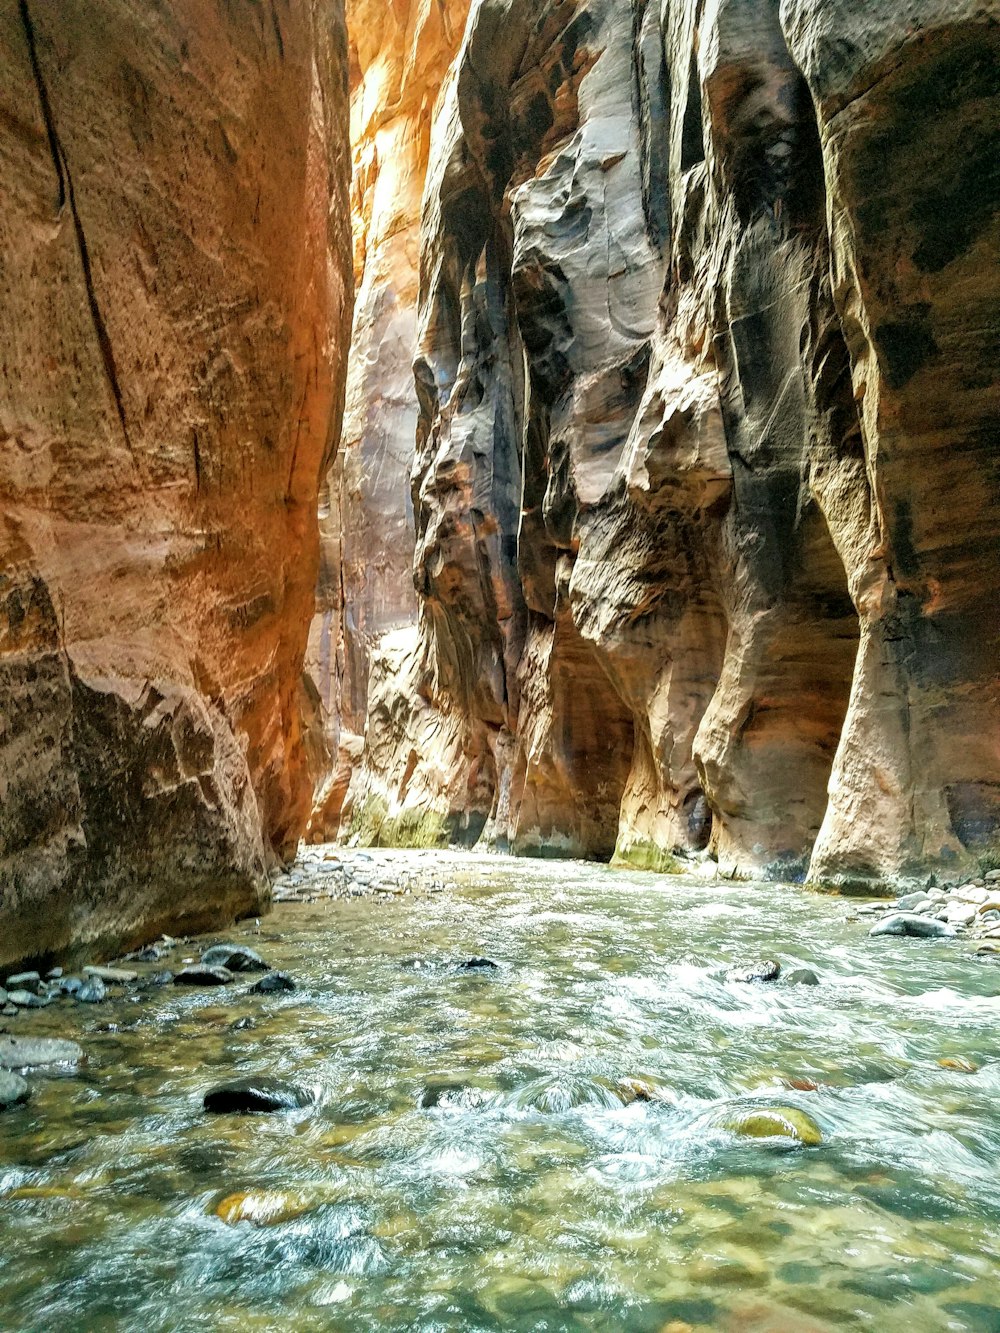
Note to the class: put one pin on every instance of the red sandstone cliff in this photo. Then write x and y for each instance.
(175, 285)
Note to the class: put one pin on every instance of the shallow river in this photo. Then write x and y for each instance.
(470, 1164)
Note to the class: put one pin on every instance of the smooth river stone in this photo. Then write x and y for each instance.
(908, 923)
(13, 1089)
(113, 976)
(771, 1122)
(37, 1052)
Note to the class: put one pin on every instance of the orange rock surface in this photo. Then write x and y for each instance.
(176, 287)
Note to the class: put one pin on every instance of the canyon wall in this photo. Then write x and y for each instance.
(705, 481)
(400, 54)
(176, 288)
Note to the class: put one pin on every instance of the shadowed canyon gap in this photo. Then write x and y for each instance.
(673, 381)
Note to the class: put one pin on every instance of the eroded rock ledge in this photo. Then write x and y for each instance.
(175, 284)
(705, 488)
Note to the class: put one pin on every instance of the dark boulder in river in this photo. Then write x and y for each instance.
(256, 1096)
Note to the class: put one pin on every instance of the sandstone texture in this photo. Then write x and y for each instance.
(705, 483)
(176, 291)
(400, 54)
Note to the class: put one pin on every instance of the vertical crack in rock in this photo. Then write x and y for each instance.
(67, 195)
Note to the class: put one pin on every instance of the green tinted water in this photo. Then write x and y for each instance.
(528, 1197)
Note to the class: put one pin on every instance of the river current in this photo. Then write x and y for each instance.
(474, 1158)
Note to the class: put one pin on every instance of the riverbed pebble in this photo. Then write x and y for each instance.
(13, 1089)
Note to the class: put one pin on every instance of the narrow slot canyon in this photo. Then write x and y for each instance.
(499, 529)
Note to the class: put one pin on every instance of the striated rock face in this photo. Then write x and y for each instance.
(400, 55)
(705, 488)
(175, 281)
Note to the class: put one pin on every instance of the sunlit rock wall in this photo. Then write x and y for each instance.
(705, 485)
(175, 284)
(400, 55)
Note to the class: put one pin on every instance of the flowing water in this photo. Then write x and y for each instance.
(469, 1163)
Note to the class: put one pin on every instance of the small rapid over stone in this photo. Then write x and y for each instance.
(618, 1126)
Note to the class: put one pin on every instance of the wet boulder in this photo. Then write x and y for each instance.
(273, 983)
(478, 965)
(802, 976)
(198, 974)
(257, 1096)
(557, 1093)
(262, 1208)
(764, 969)
(910, 923)
(776, 1122)
(234, 958)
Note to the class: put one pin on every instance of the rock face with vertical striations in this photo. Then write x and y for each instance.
(400, 55)
(175, 282)
(705, 483)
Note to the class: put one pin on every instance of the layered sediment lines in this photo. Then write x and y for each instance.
(705, 485)
(176, 288)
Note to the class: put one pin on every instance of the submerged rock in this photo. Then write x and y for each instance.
(452, 1096)
(264, 1209)
(234, 958)
(257, 1096)
(38, 1052)
(786, 1122)
(802, 976)
(959, 1064)
(637, 1090)
(763, 970)
(200, 975)
(272, 983)
(554, 1093)
(909, 923)
(13, 1089)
